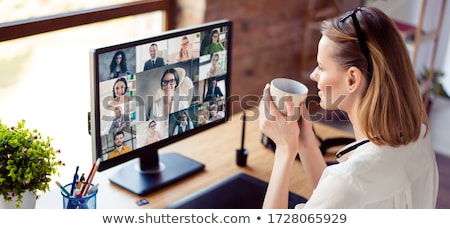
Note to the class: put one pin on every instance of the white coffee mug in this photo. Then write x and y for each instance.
(279, 87)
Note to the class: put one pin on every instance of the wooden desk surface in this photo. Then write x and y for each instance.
(216, 148)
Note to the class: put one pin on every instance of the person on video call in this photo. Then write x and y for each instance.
(392, 163)
(215, 45)
(120, 147)
(153, 135)
(172, 100)
(184, 53)
(118, 66)
(120, 122)
(215, 69)
(214, 113)
(154, 61)
(120, 89)
(184, 123)
(214, 91)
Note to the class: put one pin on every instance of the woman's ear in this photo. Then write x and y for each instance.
(354, 78)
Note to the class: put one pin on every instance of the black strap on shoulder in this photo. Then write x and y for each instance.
(351, 148)
(331, 142)
(325, 144)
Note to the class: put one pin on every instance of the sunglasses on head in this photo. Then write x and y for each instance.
(361, 39)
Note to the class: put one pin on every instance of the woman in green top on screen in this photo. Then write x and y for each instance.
(214, 46)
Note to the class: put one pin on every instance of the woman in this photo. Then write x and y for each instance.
(215, 45)
(392, 163)
(214, 114)
(215, 70)
(184, 53)
(170, 101)
(153, 135)
(118, 66)
(120, 90)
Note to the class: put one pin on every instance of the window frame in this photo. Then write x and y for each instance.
(38, 25)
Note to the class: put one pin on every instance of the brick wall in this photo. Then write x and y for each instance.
(267, 41)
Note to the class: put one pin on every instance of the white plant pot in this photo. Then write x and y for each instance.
(28, 202)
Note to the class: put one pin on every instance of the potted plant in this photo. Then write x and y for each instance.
(27, 162)
(436, 89)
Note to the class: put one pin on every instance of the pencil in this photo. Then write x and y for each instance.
(89, 179)
(62, 188)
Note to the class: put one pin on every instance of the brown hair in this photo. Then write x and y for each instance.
(392, 111)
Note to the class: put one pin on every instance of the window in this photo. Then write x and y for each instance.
(14, 10)
(45, 79)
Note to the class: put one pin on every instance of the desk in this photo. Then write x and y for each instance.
(216, 149)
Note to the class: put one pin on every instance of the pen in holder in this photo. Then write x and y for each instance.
(88, 201)
(242, 153)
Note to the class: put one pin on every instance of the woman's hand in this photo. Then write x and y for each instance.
(291, 137)
(282, 129)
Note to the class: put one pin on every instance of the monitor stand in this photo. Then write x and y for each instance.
(172, 167)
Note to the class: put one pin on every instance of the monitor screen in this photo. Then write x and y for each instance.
(149, 93)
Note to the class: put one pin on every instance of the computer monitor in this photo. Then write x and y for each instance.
(149, 93)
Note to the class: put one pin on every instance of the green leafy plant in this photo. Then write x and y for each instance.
(437, 88)
(27, 162)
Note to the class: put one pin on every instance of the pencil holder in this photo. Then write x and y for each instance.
(88, 201)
